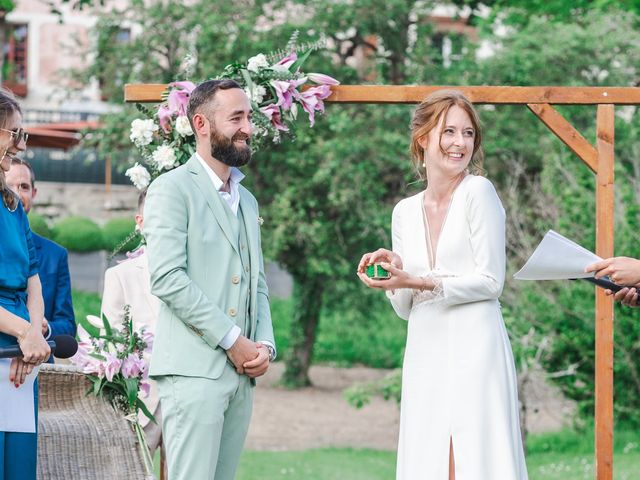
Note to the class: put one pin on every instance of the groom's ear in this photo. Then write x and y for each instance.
(201, 125)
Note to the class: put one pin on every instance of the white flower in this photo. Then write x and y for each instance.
(142, 131)
(139, 176)
(256, 94)
(183, 127)
(259, 61)
(164, 157)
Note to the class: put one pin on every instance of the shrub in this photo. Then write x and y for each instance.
(120, 230)
(39, 225)
(78, 234)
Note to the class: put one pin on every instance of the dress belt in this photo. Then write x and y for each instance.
(14, 295)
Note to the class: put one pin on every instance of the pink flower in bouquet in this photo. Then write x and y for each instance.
(145, 387)
(312, 100)
(132, 366)
(286, 90)
(178, 98)
(147, 337)
(112, 366)
(272, 112)
(322, 79)
(176, 105)
(164, 118)
(286, 62)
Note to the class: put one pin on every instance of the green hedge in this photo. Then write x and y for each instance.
(117, 231)
(78, 234)
(39, 225)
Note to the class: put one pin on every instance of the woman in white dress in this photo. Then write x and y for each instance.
(459, 410)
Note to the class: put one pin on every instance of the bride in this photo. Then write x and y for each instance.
(459, 409)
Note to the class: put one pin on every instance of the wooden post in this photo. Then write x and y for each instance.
(107, 174)
(604, 304)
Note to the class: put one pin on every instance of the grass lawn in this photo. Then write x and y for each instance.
(345, 464)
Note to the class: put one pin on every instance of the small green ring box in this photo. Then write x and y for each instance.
(376, 272)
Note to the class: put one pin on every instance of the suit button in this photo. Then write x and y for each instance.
(235, 279)
(242, 246)
(246, 269)
(232, 312)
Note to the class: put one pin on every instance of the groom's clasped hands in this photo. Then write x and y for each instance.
(250, 358)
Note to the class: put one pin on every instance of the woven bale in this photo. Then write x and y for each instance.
(81, 436)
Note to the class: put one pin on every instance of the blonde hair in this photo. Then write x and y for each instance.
(8, 106)
(427, 116)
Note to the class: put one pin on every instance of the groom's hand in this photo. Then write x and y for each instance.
(241, 352)
(259, 365)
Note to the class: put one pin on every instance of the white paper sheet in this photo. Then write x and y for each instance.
(557, 258)
(16, 404)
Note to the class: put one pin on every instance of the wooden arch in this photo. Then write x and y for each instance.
(599, 159)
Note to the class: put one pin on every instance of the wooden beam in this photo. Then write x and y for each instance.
(604, 304)
(567, 133)
(414, 94)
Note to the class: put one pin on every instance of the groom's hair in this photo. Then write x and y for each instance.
(201, 99)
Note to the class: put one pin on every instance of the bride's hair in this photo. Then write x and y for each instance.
(8, 107)
(427, 116)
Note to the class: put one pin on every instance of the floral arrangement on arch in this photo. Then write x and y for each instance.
(273, 83)
(116, 362)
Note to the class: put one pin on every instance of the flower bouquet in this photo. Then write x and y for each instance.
(274, 84)
(116, 363)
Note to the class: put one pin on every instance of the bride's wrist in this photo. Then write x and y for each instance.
(24, 331)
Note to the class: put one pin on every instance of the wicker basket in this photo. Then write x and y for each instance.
(82, 437)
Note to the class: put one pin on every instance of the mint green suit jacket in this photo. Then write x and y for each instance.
(194, 266)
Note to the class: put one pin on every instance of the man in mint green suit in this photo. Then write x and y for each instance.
(214, 334)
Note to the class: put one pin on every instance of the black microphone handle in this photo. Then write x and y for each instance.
(13, 351)
(608, 284)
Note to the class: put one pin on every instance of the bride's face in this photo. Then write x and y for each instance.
(8, 146)
(448, 147)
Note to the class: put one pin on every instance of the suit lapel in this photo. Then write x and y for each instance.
(212, 197)
(250, 216)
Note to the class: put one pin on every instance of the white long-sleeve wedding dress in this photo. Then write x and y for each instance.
(459, 379)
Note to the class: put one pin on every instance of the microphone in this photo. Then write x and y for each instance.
(62, 346)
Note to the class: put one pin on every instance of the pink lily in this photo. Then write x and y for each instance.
(285, 91)
(145, 387)
(312, 100)
(272, 112)
(178, 98)
(147, 337)
(132, 366)
(164, 118)
(112, 366)
(287, 61)
(322, 79)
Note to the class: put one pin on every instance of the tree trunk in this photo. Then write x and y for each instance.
(307, 295)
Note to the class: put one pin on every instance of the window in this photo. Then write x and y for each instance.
(14, 65)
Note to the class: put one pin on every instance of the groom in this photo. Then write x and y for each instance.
(214, 333)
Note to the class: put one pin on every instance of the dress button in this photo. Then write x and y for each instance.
(232, 312)
(235, 279)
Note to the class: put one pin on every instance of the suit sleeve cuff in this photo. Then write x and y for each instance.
(230, 338)
(48, 335)
(271, 345)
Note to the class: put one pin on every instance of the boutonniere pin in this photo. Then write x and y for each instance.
(260, 221)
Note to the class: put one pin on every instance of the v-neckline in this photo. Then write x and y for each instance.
(431, 254)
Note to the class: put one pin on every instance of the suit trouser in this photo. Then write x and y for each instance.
(204, 424)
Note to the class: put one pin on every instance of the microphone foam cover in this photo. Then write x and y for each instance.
(66, 346)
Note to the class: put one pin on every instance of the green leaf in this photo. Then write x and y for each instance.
(142, 406)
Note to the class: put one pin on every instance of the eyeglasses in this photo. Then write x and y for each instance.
(19, 135)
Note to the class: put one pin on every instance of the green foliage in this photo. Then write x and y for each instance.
(389, 388)
(119, 235)
(86, 303)
(39, 225)
(78, 234)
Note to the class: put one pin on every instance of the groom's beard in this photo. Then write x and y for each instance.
(225, 150)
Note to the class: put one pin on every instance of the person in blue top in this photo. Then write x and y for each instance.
(21, 304)
(53, 268)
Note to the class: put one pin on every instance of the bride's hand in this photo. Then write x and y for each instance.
(380, 255)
